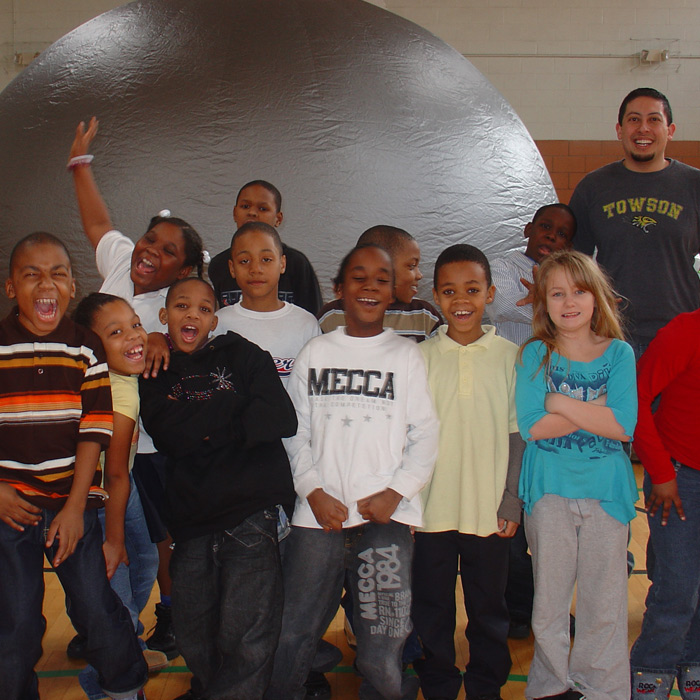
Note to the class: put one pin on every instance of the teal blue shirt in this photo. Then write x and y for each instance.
(581, 464)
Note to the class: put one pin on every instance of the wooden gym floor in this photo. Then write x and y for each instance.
(58, 673)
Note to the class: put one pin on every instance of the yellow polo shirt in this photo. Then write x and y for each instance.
(474, 392)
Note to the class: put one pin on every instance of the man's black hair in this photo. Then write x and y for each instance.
(646, 92)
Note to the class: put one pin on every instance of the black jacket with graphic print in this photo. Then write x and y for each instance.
(218, 415)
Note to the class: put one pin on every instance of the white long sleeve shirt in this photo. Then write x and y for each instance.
(366, 423)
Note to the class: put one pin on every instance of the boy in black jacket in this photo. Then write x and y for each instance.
(218, 413)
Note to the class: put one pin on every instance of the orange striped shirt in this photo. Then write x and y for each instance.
(54, 393)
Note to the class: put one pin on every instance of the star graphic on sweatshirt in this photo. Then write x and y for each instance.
(346, 422)
(367, 418)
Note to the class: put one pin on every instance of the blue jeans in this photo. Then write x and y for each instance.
(133, 583)
(227, 607)
(95, 611)
(668, 646)
(378, 561)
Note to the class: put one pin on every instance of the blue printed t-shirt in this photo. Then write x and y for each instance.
(581, 464)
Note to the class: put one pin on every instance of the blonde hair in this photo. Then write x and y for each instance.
(584, 274)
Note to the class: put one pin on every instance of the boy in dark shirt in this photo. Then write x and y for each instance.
(261, 201)
(218, 413)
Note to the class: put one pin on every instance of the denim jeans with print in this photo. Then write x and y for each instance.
(378, 561)
(227, 607)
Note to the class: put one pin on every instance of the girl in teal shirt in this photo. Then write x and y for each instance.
(576, 404)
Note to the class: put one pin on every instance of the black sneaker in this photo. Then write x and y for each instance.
(189, 695)
(163, 637)
(317, 686)
(77, 647)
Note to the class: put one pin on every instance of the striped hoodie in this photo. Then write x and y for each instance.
(54, 393)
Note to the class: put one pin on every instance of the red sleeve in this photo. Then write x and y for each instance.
(673, 352)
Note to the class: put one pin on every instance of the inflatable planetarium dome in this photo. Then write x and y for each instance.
(358, 116)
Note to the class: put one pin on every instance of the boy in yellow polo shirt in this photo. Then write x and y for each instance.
(471, 505)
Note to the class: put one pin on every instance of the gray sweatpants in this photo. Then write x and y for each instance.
(574, 541)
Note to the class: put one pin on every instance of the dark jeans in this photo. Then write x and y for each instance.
(378, 561)
(412, 649)
(483, 565)
(95, 611)
(669, 643)
(133, 583)
(149, 476)
(227, 607)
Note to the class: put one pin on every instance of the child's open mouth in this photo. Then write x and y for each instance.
(462, 315)
(145, 267)
(366, 301)
(46, 309)
(189, 333)
(134, 354)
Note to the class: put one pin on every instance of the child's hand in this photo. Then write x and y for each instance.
(530, 286)
(157, 353)
(15, 511)
(329, 511)
(83, 138)
(115, 554)
(379, 507)
(664, 495)
(68, 527)
(506, 528)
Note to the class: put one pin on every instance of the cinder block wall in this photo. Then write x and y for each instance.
(569, 161)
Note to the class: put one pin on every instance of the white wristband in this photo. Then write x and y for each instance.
(79, 161)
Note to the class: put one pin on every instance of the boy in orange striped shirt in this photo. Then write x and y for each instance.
(55, 417)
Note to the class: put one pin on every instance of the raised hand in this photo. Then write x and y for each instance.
(83, 138)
